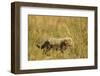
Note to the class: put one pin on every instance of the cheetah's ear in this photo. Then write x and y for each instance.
(38, 46)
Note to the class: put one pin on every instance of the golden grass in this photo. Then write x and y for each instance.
(42, 27)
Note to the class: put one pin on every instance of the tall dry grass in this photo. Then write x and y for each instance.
(42, 27)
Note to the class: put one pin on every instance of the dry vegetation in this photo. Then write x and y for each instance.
(42, 27)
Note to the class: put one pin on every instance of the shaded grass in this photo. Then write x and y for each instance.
(43, 27)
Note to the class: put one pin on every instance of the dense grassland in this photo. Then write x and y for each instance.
(42, 27)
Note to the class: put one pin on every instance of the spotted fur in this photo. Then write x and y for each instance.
(60, 44)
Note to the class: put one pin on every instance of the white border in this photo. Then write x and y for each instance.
(25, 64)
